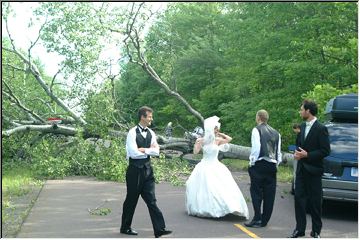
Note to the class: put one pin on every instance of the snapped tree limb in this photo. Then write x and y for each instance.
(55, 129)
(15, 100)
(35, 72)
(132, 40)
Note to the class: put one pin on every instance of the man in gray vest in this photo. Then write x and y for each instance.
(264, 158)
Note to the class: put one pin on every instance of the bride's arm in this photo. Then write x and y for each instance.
(197, 145)
(223, 138)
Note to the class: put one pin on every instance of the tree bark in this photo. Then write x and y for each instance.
(55, 129)
(242, 152)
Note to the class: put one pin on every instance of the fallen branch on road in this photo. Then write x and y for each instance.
(100, 211)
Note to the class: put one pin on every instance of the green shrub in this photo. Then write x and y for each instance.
(18, 183)
(174, 170)
(46, 163)
(322, 93)
(51, 167)
(52, 158)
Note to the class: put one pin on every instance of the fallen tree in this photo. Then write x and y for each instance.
(184, 145)
(242, 152)
(135, 50)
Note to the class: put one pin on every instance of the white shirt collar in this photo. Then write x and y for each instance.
(312, 121)
(141, 127)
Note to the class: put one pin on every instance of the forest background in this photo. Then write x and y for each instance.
(224, 59)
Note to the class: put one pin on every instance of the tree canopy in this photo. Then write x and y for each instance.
(188, 62)
(232, 59)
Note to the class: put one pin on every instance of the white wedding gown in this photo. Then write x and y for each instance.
(211, 190)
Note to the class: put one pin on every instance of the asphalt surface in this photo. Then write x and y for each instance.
(61, 210)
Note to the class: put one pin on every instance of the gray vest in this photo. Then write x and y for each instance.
(269, 139)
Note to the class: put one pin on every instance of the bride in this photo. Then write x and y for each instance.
(211, 190)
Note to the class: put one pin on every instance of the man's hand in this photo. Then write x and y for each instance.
(154, 146)
(300, 154)
(141, 150)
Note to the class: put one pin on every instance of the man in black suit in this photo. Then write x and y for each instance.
(314, 146)
(140, 145)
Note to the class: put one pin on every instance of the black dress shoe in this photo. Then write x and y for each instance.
(314, 234)
(297, 234)
(162, 232)
(129, 231)
(254, 224)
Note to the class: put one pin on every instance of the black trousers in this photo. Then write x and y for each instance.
(140, 181)
(308, 190)
(263, 189)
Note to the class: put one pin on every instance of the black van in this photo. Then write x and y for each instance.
(340, 178)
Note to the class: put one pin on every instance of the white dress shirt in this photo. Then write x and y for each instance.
(308, 126)
(256, 146)
(132, 148)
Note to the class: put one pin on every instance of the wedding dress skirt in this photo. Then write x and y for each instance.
(211, 190)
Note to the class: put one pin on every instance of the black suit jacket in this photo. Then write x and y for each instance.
(317, 145)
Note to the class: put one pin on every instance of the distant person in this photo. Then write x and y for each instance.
(314, 146)
(140, 145)
(168, 130)
(198, 132)
(296, 129)
(211, 191)
(264, 158)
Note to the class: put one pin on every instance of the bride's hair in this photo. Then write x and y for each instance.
(209, 126)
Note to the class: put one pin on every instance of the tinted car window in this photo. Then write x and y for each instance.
(343, 140)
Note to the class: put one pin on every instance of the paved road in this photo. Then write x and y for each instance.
(61, 211)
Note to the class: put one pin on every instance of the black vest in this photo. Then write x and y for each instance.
(142, 142)
(269, 140)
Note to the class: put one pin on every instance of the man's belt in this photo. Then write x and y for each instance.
(140, 163)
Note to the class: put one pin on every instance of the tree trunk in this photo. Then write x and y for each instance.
(179, 144)
(55, 129)
(242, 152)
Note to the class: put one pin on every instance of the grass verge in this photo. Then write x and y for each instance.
(284, 174)
(20, 189)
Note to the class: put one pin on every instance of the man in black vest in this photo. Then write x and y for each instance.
(264, 158)
(314, 146)
(140, 145)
